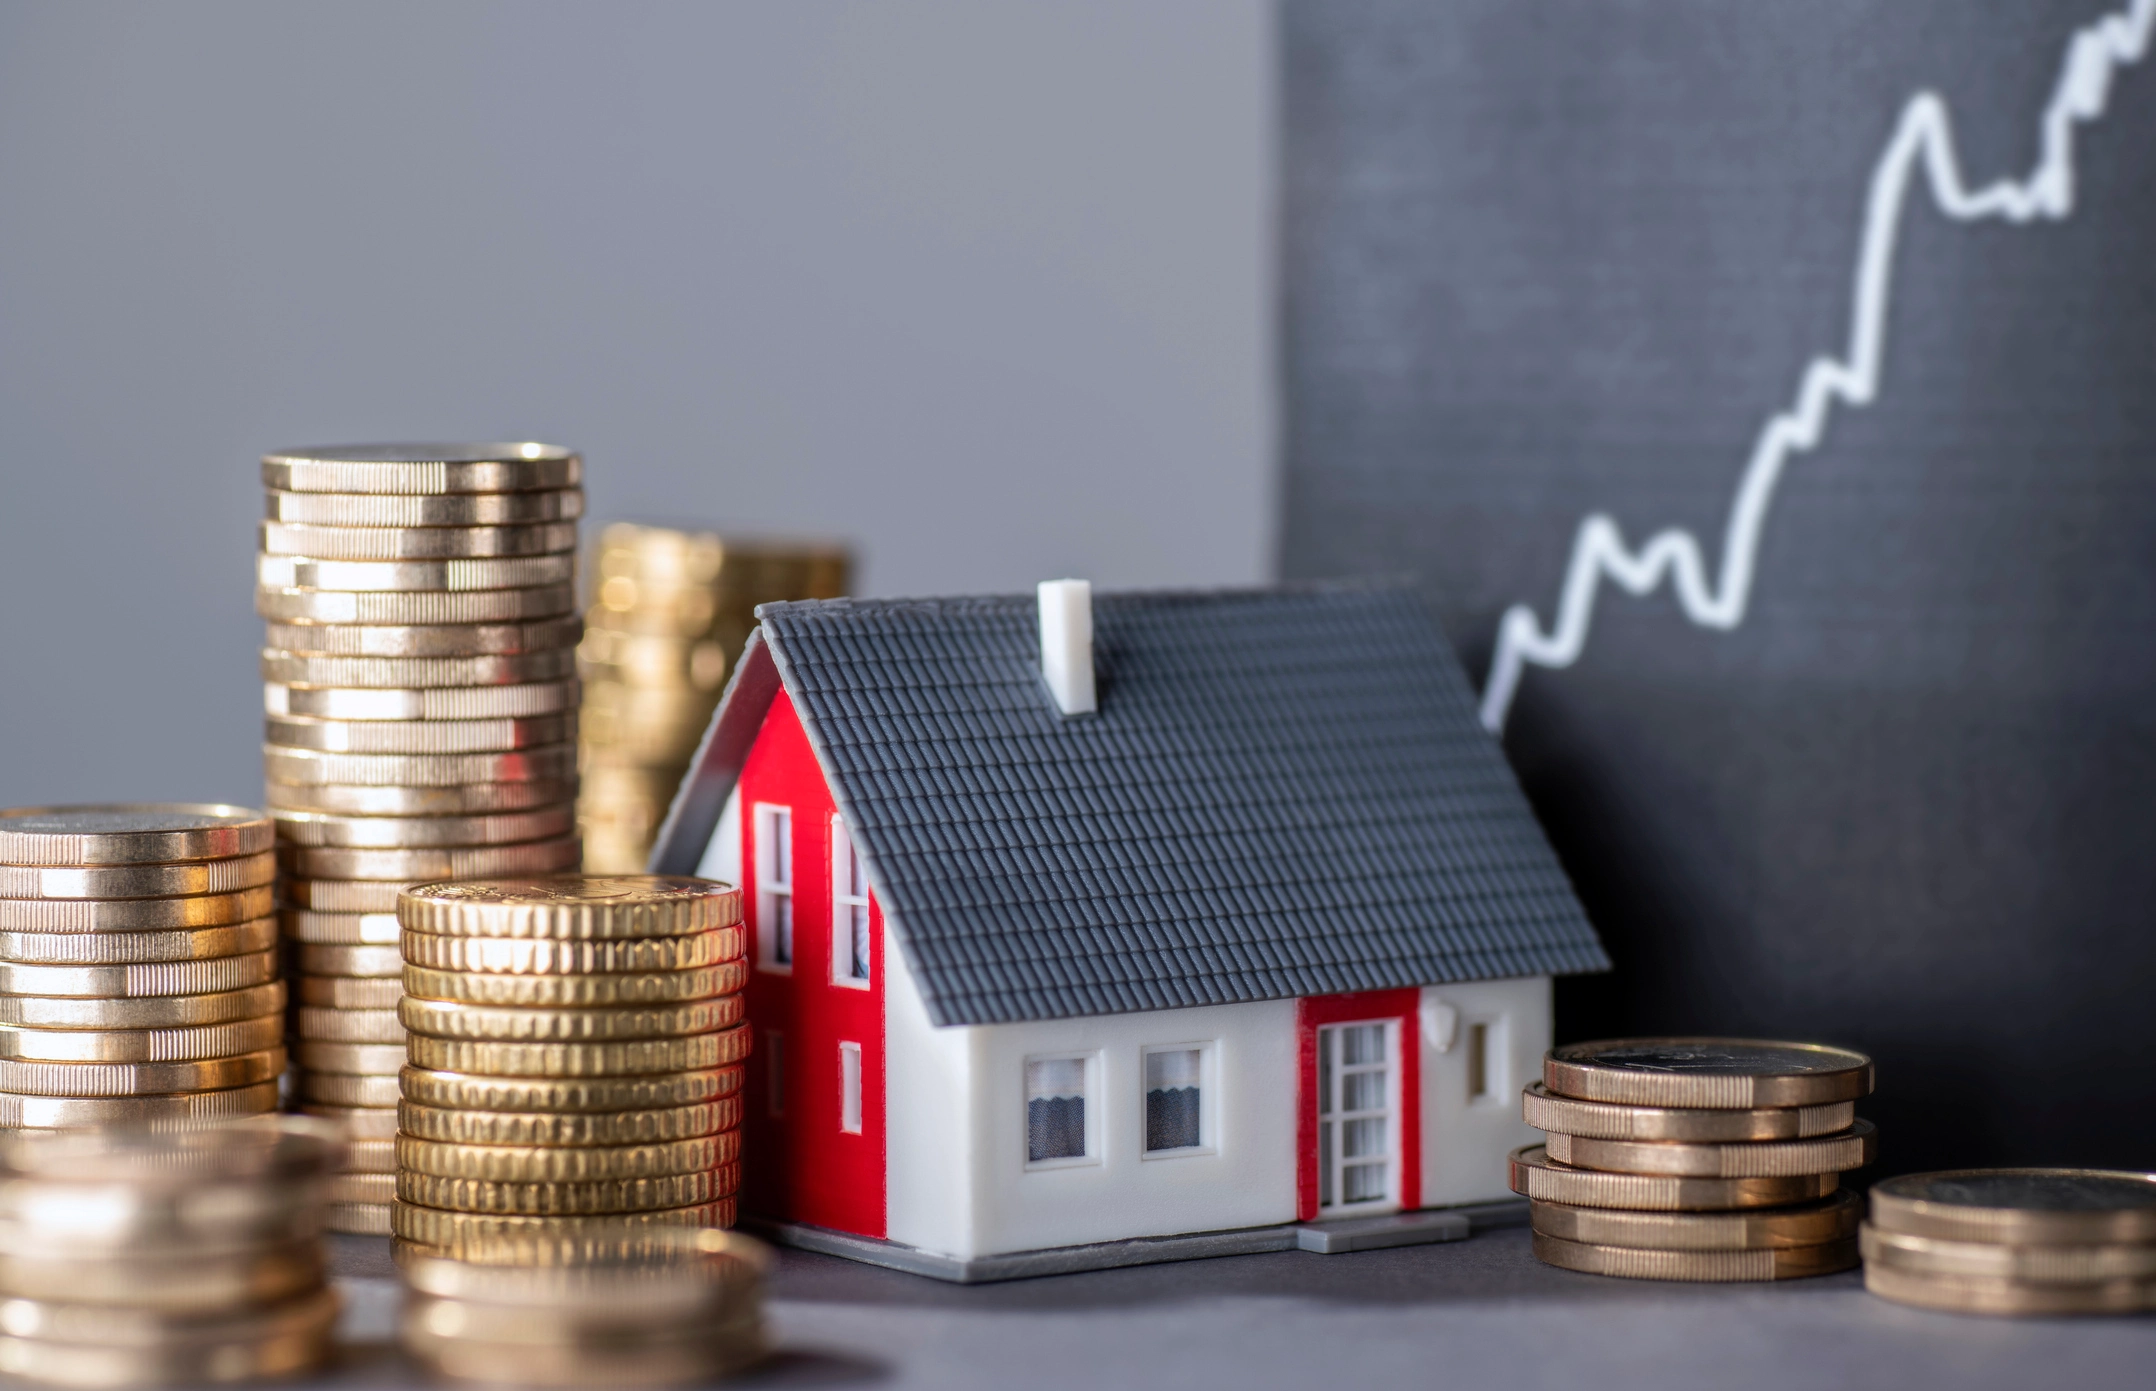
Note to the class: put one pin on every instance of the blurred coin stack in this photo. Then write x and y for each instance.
(419, 682)
(637, 1306)
(1696, 1159)
(129, 1258)
(669, 612)
(2015, 1241)
(575, 1054)
(138, 966)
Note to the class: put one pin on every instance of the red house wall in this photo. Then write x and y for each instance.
(797, 1163)
(1314, 1010)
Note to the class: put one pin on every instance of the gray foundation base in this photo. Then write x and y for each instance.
(1325, 1238)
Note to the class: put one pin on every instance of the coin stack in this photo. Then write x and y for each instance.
(669, 611)
(138, 970)
(1696, 1158)
(646, 1306)
(419, 674)
(575, 1053)
(129, 1258)
(2015, 1241)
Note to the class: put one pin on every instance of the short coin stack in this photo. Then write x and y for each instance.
(129, 1258)
(1696, 1159)
(138, 966)
(640, 1306)
(575, 1053)
(2015, 1241)
(669, 612)
(419, 681)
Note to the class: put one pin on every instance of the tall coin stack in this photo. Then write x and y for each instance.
(419, 681)
(129, 1258)
(669, 612)
(575, 1054)
(138, 966)
(2015, 1241)
(1696, 1159)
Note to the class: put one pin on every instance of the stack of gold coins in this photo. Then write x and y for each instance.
(138, 970)
(419, 674)
(669, 612)
(132, 1258)
(640, 1306)
(575, 1052)
(2015, 1241)
(1696, 1158)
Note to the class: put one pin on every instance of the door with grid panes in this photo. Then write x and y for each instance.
(1358, 1131)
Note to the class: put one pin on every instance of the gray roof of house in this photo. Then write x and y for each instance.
(1285, 792)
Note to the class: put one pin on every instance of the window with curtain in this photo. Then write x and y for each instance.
(1055, 1109)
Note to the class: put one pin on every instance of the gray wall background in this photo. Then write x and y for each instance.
(982, 287)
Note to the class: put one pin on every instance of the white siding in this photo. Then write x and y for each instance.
(722, 854)
(931, 1146)
(1464, 1139)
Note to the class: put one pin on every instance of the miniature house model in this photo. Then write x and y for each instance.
(1092, 930)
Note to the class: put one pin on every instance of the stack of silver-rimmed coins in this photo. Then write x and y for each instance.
(576, 1051)
(419, 672)
(130, 1258)
(1696, 1158)
(138, 971)
(2015, 1241)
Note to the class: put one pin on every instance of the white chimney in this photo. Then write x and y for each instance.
(1067, 644)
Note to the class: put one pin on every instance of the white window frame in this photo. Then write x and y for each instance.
(1390, 1201)
(1095, 1105)
(843, 902)
(849, 1088)
(773, 821)
(1208, 1051)
(775, 1074)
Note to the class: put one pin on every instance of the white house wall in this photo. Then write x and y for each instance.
(1465, 1140)
(932, 1149)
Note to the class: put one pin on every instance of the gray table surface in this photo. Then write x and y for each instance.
(1475, 1313)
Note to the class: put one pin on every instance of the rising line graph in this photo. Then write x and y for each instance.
(1923, 140)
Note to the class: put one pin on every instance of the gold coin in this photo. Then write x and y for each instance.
(300, 669)
(534, 957)
(2022, 1207)
(424, 640)
(414, 608)
(453, 1232)
(184, 1364)
(343, 929)
(138, 1079)
(1832, 1218)
(573, 1095)
(357, 1219)
(414, 542)
(376, 962)
(363, 1188)
(565, 1164)
(573, 907)
(348, 992)
(189, 1044)
(145, 1112)
(2029, 1265)
(410, 510)
(631, 1267)
(139, 881)
(549, 764)
(210, 1283)
(133, 948)
(567, 1199)
(1719, 1073)
(348, 1025)
(416, 736)
(319, 829)
(122, 1326)
(1770, 1263)
(576, 992)
(472, 799)
(448, 704)
(1826, 1154)
(1975, 1294)
(567, 1129)
(142, 980)
(1607, 1120)
(629, 1057)
(347, 1089)
(423, 469)
(512, 1024)
(359, 1122)
(413, 576)
(372, 1156)
(1534, 1175)
(143, 833)
(135, 914)
(435, 862)
(360, 1059)
(707, 1355)
(156, 1012)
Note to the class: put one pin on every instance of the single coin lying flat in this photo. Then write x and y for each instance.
(1718, 1073)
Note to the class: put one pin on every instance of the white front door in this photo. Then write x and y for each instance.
(1358, 1131)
